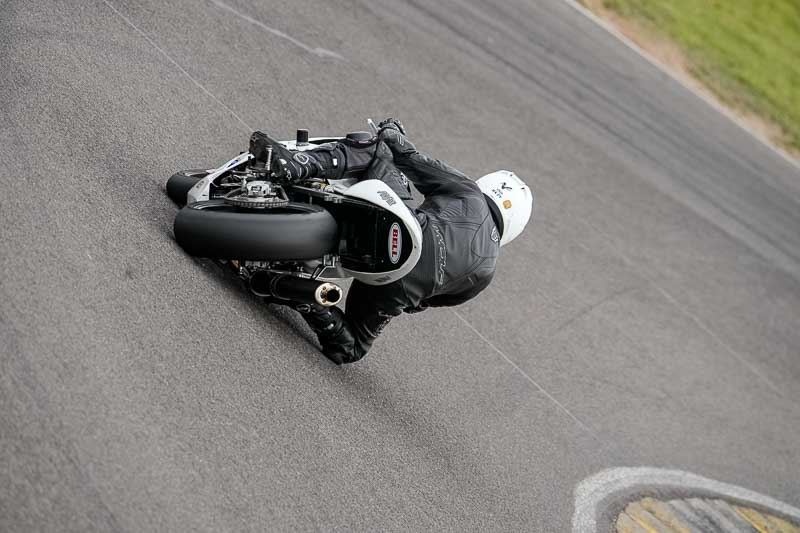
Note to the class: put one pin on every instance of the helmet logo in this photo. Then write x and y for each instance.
(507, 204)
(395, 243)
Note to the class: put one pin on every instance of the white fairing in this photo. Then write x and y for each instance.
(201, 189)
(377, 192)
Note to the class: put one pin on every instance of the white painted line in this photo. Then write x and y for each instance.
(549, 396)
(180, 68)
(321, 52)
(653, 61)
(590, 493)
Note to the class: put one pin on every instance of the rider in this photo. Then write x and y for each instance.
(464, 224)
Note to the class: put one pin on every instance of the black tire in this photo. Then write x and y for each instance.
(178, 184)
(217, 230)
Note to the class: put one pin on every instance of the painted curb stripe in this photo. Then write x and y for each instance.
(590, 493)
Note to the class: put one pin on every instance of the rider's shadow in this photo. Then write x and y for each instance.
(292, 320)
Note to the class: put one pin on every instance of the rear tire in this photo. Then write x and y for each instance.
(178, 184)
(217, 230)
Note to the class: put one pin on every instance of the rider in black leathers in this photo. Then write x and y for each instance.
(461, 238)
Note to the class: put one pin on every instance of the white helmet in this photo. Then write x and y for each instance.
(513, 199)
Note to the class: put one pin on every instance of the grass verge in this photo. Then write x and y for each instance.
(746, 52)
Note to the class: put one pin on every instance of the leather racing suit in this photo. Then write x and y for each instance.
(461, 240)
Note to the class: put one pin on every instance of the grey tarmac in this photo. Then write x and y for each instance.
(648, 316)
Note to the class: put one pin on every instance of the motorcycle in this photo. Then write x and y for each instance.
(296, 240)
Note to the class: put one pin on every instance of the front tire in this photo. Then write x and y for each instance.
(217, 230)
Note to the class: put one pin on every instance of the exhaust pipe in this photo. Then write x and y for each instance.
(297, 289)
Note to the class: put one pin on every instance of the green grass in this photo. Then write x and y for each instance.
(746, 51)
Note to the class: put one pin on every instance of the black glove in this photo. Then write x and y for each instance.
(393, 135)
(392, 123)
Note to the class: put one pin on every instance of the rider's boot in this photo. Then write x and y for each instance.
(266, 150)
(329, 161)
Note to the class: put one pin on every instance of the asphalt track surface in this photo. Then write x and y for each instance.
(648, 316)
